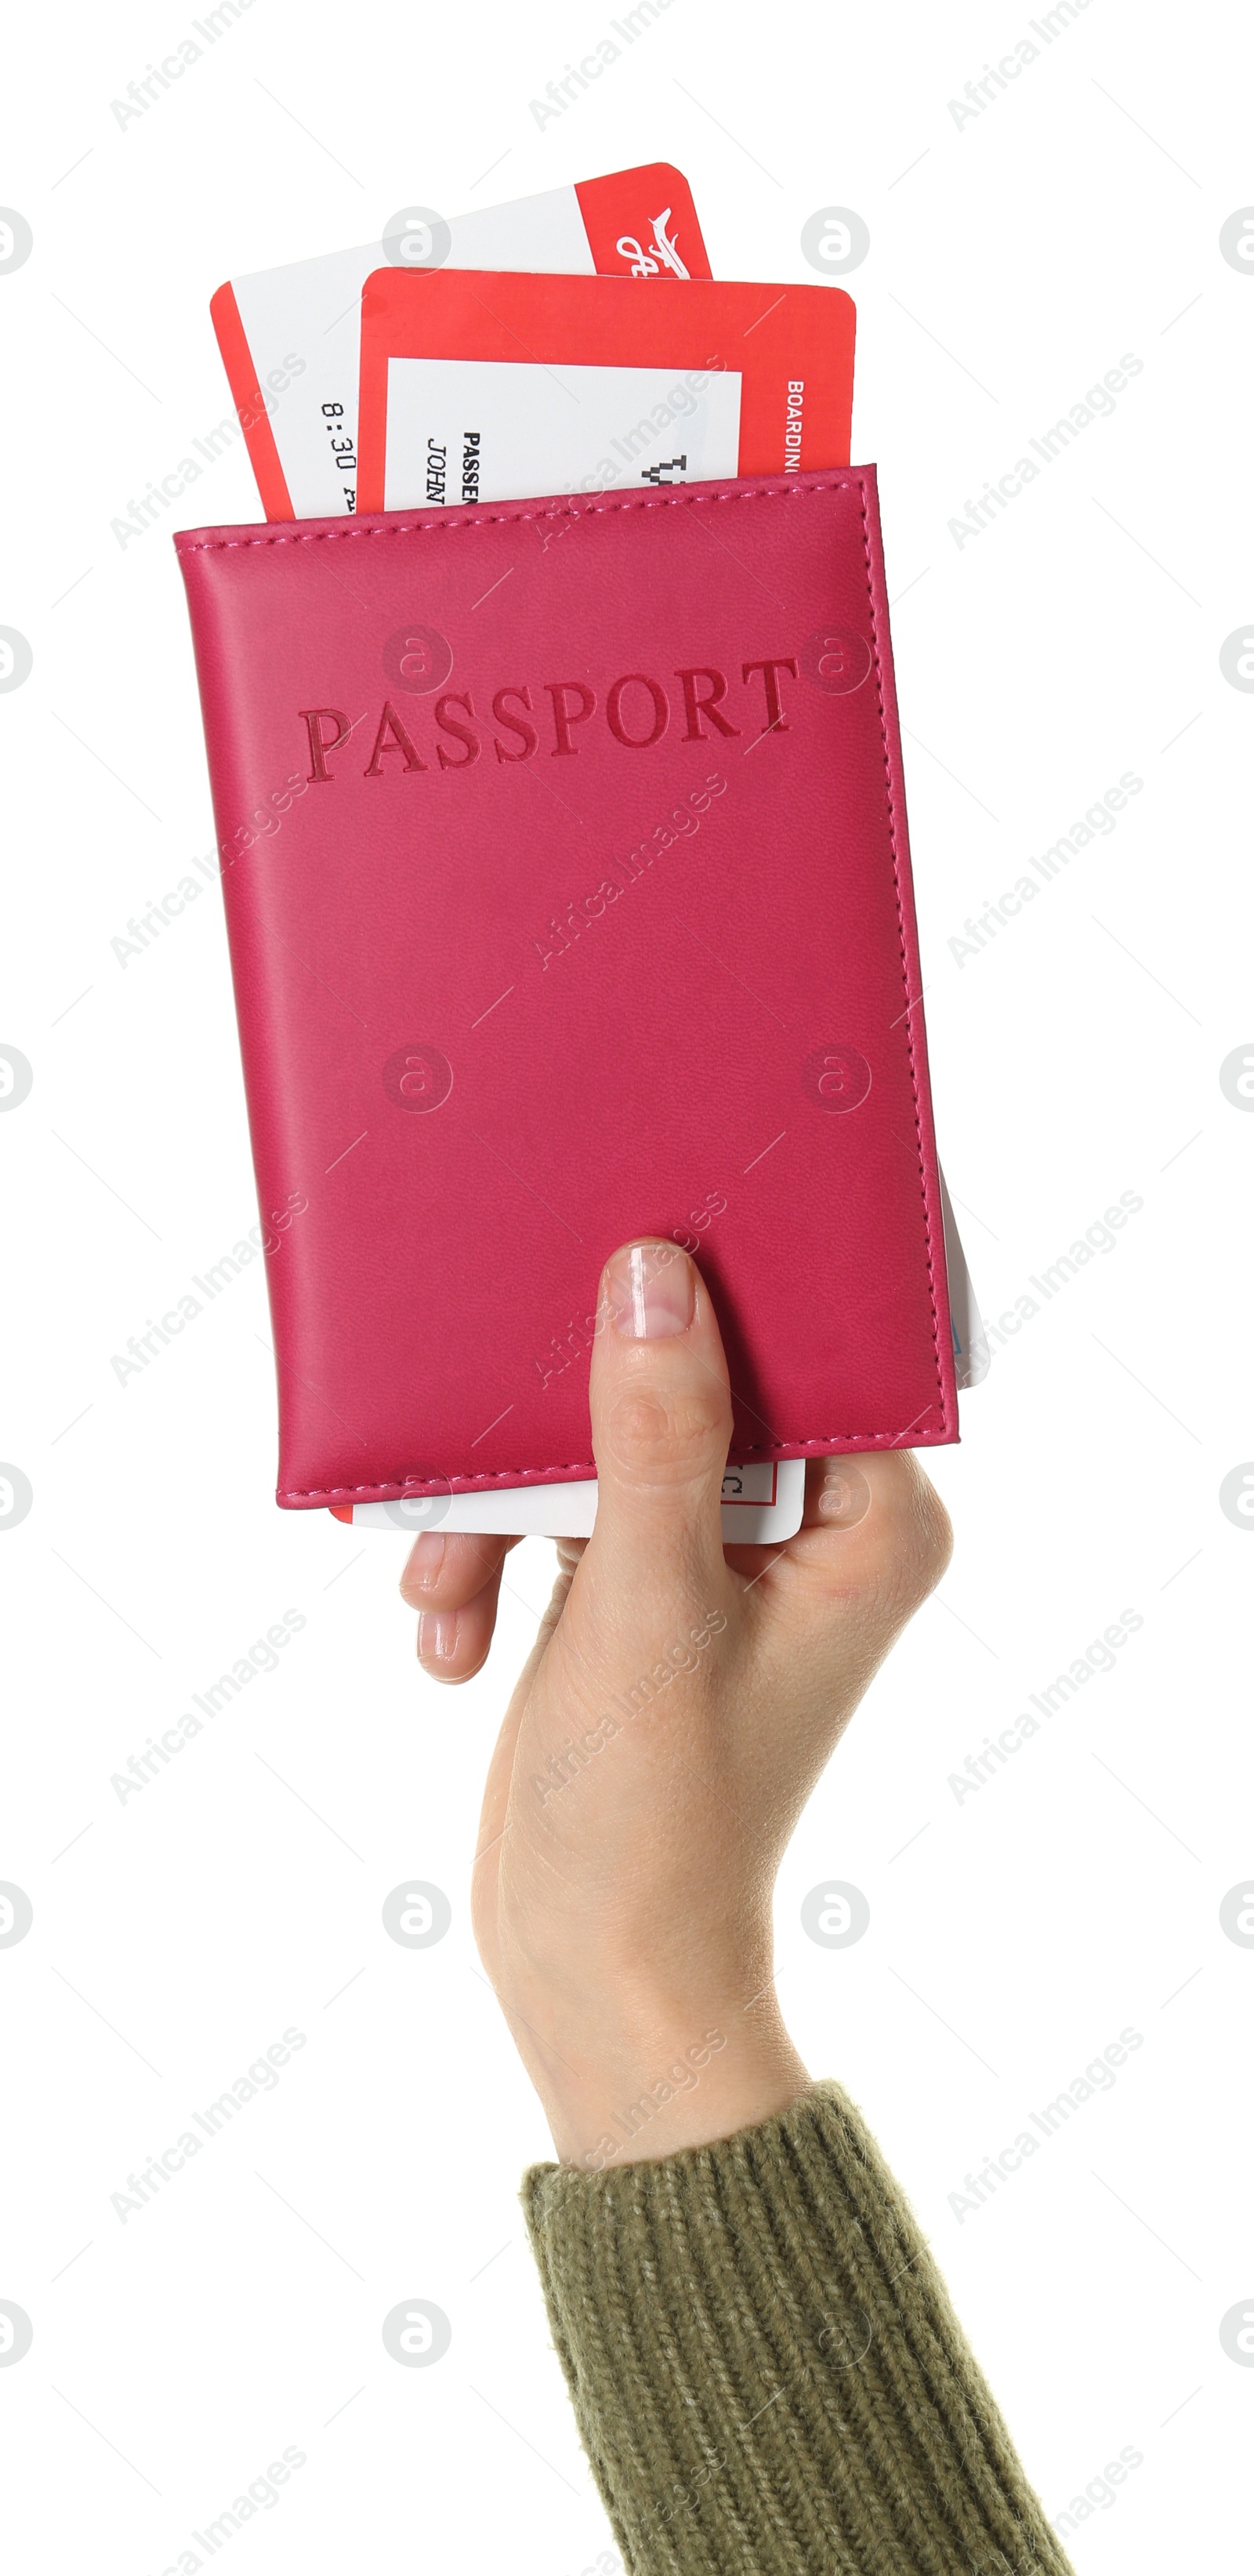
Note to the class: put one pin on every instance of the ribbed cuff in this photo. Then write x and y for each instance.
(765, 2367)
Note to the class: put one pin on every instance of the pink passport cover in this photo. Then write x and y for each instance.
(568, 891)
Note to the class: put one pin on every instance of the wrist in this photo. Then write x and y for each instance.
(627, 2082)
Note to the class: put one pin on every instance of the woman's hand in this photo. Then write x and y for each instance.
(678, 1707)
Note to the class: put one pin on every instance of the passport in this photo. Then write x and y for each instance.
(567, 882)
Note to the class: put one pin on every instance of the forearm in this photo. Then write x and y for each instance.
(766, 2370)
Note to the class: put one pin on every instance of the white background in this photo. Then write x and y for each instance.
(1013, 260)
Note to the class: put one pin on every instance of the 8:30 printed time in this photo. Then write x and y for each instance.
(343, 448)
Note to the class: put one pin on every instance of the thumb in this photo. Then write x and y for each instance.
(661, 1422)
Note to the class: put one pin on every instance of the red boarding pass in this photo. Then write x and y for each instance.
(289, 336)
(490, 386)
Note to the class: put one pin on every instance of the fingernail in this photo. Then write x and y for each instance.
(437, 1636)
(426, 1558)
(651, 1291)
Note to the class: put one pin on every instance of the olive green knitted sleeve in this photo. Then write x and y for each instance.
(767, 2374)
